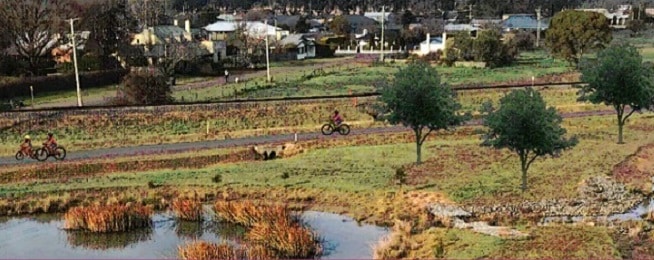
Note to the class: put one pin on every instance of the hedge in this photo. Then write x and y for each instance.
(44, 84)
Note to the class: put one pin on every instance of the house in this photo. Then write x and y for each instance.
(617, 19)
(378, 16)
(486, 22)
(431, 45)
(153, 40)
(163, 33)
(528, 22)
(360, 22)
(300, 46)
(222, 30)
(291, 22)
(471, 29)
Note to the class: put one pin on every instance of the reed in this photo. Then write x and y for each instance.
(287, 240)
(273, 229)
(110, 218)
(187, 209)
(247, 213)
(201, 250)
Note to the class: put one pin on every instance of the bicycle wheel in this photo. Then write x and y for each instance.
(60, 153)
(20, 156)
(327, 129)
(41, 154)
(344, 129)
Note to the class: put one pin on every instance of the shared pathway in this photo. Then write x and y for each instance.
(240, 142)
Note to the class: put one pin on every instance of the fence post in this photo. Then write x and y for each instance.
(32, 93)
(207, 126)
(295, 137)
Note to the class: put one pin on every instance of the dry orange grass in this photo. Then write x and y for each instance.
(272, 226)
(247, 213)
(110, 218)
(201, 250)
(187, 209)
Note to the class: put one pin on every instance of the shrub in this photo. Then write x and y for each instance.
(524, 40)
(113, 218)
(217, 178)
(143, 88)
(45, 84)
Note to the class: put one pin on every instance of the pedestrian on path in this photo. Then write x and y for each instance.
(226, 76)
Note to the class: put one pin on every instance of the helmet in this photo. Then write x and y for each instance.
(49, 134)
(336, 112)
(28, 137)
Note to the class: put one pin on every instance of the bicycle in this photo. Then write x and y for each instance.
(45, 152)
(20, 155)
(330, 128)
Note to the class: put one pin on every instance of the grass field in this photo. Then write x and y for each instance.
(96, 130)
(357, 180)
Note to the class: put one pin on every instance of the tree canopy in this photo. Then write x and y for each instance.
(572, 34)
(524, 125)
(619, 78)
(339, 25)
(418, 99)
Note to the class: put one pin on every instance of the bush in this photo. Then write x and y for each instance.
(524, 40)
(45, 84)
(143, 88)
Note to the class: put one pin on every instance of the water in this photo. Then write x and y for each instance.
(42, 237)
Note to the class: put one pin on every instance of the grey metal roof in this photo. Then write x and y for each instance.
(523, 21)
(168, 31)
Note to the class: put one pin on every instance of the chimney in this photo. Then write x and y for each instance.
(187, 26)
(428, 38)
(444, 38)
(175, 23)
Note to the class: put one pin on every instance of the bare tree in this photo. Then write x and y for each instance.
(148, 12)
(33, 25)
(174, 53)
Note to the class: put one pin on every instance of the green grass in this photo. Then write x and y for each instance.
(456, 165)
(363, 79)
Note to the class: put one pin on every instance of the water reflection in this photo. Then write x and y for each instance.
(344, 238)
(106, 241)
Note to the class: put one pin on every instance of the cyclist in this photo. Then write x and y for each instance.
(51, 143)
(26, 146)
(337, 118)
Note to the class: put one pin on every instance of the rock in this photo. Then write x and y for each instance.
(443, 210)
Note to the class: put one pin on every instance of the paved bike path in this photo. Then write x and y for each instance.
(240, 142)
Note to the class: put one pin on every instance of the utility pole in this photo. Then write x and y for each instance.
(538, 15)
(72, 33)
(470, 14)
(381, 58)
(267, 54)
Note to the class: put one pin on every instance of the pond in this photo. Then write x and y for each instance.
(40, 237)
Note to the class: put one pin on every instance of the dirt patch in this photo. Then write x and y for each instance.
(637, 170)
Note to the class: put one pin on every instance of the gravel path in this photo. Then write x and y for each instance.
(181, 147)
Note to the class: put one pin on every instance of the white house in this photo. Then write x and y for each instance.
(618, 18)
(221, 29)
(431, 45)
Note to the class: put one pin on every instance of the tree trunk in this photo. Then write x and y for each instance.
(620, 127)
(418, 152)
(418, 132)
(523, 161)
